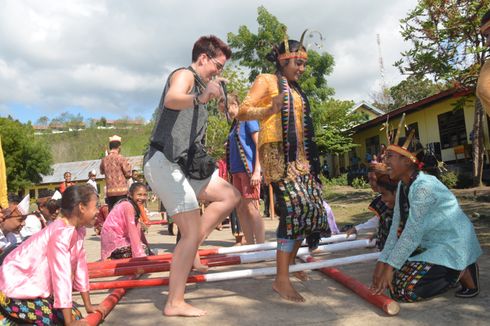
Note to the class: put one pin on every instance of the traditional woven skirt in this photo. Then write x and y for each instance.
(416, 281)
(299, 205)
(125, 252)
(32, 311)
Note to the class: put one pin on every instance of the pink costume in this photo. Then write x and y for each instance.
(120, 230)
(50, 262)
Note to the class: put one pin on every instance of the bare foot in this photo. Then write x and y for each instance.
(286, 291)
(201, 268)
(301, 275)
(198, 266)
(184, 309)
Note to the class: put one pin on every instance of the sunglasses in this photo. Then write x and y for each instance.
(218, 64)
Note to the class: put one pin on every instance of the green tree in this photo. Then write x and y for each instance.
(250, 51)
(447, 45)
(410, 90)
(333, 122)
(43, 121)
(216, 135)
(26, 157)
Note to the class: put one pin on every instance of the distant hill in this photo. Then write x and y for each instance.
(91, 143)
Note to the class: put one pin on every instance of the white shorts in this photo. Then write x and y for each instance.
(177, 193)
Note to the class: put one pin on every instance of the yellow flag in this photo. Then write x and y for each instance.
(3, 179)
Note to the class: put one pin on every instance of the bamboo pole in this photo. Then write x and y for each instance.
(95, 318)
(246, 273)
(386, 304)
(214, 261)
(167, 257)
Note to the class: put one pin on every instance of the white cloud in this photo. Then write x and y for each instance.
(112, 56)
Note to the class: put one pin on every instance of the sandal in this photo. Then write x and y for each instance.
(475, 275)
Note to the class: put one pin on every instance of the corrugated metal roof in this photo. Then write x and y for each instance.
(450, 93)
(79, 170)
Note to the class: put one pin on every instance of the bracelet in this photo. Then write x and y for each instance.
(196, 100)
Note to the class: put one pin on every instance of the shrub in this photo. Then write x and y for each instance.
(360, 183)
(339, 181)
(450, 179)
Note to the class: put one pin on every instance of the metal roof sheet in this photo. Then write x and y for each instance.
(79, 170)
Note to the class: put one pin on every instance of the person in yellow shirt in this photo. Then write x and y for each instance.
(483, 86)
(288, 157)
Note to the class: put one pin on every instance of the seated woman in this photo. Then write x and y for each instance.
(38, 277)
(121, 235)
(432, 242)
(382, 205)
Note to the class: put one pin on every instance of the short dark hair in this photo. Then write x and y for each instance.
(210, 45)
(385, 182)
(67, 172)
(114, 144)
(52, 205)
(75, 195)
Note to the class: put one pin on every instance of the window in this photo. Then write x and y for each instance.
(372, 147)
(452, 129)
(41, 192)
(414, 126)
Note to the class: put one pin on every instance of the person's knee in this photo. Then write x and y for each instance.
(233, 196)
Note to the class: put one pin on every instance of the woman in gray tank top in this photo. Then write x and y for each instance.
(180, 126)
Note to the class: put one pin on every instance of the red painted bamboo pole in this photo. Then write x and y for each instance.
(229, 275)
(141, 283)
(95, 318)
(161, 258)
(160, 267)
(156, 222)
(386, 304)
(139, 261)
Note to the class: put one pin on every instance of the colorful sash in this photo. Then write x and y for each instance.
(289, 132)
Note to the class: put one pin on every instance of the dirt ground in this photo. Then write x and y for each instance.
(252, 301)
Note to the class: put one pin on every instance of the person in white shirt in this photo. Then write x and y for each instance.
(91, 180)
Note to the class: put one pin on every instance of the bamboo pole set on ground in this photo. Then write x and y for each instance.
(246, 273)
(234, 256)
(220, 260)
(167, 257)
(388, 305)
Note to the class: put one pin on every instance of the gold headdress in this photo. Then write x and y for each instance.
(300, 54)
(403, 149)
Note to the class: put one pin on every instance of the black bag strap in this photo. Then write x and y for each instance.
(191, 151)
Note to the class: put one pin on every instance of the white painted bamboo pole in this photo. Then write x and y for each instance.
(215, 277)
(273, 245)
(252, 257)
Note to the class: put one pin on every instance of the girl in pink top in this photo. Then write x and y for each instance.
(121, 235)
(38, 277)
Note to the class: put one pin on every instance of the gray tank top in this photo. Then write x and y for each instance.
(176, 130)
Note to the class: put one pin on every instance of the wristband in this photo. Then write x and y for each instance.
(196, 101)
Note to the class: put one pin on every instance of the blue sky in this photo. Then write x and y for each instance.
(110, 58)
